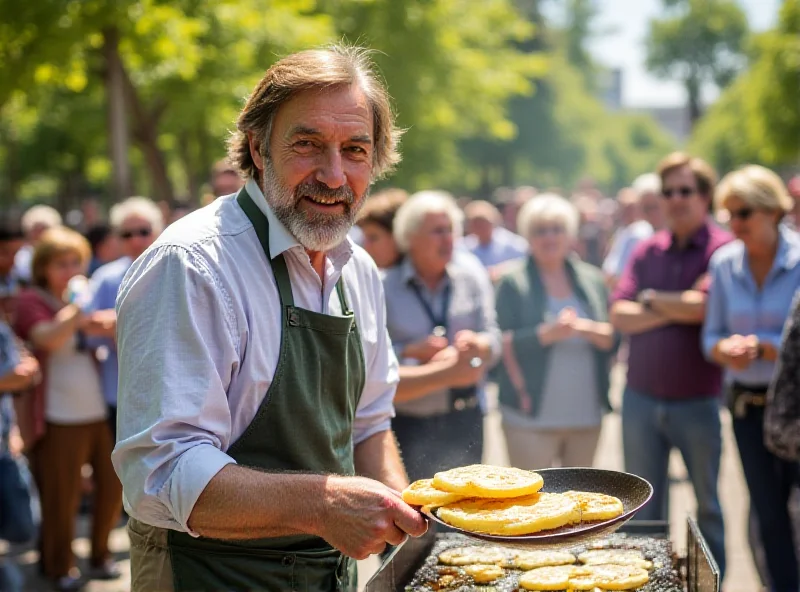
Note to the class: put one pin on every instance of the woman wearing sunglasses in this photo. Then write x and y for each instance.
(557, 343)
(753, 282)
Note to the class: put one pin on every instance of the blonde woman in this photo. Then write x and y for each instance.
(63, 421)
(754, 280)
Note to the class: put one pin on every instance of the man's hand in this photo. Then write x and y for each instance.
(737, 351)
(25, 375)
(475, 345)
(424, 350)
(362, 516)
(101, 323)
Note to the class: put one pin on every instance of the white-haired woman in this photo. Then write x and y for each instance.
(34, 222)
(557, 343)
(137, 221)
(754, 280)
(441, 318)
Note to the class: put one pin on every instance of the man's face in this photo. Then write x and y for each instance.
(482, 228)
(431, 246)
(320, 166)
(136, 235)
(8, 250)
(226, 183)
(686, 208)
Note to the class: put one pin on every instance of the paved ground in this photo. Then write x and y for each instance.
(741, 576)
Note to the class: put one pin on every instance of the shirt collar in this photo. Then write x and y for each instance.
(787, 256)
(281, 240)
(698, 240)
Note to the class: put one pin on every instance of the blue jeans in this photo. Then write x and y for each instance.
(650, 429)
(770, 482)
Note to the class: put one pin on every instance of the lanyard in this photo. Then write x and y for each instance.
(439, 322)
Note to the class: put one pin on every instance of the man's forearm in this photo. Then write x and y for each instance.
(378, 458)
(687, 307)
(631, 318)
(241, 503)
(419, 381)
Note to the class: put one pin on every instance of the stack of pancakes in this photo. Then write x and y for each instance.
(506, 501)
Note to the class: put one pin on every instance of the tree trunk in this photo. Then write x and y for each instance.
(118, 134)
(693, 93)
(145, 132)
(193, 183)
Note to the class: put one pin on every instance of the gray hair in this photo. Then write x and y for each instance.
(412, 213)
(141, 207)
(40, 215)
(548, 207)
(317, 69)
(647, 183)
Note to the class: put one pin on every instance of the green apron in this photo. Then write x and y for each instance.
(303, 424)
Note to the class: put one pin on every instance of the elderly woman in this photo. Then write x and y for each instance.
(63, 422)
(441, 318)
(753, 282)
(376, 220)
(557, 344)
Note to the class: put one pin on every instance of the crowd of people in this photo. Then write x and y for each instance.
(688, 281)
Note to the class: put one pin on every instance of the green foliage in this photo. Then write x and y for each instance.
(699, 42)
(482, 97)
(757, 119)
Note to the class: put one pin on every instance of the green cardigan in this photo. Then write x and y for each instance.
(521, 305)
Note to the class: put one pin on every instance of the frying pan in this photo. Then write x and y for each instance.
(634, 492)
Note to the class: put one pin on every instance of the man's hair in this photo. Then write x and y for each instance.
(703, 172)
(40, 214)
(315, 70)
(381, 208)
(222, 167)
(481, 209)
(141, 207)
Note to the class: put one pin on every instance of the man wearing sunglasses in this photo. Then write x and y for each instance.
(137, 221)
(671, 398)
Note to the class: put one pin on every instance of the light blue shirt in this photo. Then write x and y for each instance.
(105, 284)
(504, 246)
(736, 306)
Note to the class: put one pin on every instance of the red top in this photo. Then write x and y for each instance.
(668, 362)
(32, 309)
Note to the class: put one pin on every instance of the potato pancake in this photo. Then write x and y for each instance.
(483, 574)
(547, 578)
(608, 577)
(488, 481)
(475, 555)
(596, 506)
(532, 559)
(616, 557)
(527, 515)
(423, 493)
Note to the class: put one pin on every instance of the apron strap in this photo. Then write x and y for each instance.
(342, 298)
(278, 264)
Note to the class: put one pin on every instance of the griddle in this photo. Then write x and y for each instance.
(694, 572)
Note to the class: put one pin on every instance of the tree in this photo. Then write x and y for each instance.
(699, 42)
(757, 119)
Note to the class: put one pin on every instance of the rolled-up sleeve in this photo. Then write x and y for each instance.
(376, 407)
(177, 354)
(714, 326)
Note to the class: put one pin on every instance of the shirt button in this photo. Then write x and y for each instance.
(288, 560)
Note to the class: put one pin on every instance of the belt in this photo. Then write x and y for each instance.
(742, 397)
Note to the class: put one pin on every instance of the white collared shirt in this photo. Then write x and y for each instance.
(199, 335)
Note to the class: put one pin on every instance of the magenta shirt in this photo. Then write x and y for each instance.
(668, 363)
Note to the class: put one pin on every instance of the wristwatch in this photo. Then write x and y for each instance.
(646, 298)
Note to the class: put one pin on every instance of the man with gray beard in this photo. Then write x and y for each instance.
(256, 373)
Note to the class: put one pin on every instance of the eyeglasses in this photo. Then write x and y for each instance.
(742, 214)
(141, 232)
(541, 231)
(684, 192)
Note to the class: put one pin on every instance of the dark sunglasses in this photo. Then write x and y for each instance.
(684, 192)
(142, 232)
(742, 214)
(540, 231)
